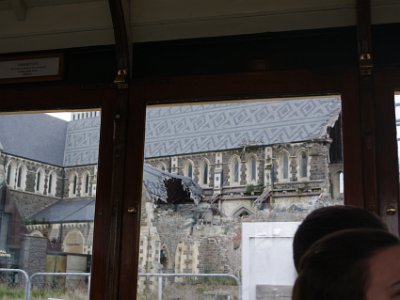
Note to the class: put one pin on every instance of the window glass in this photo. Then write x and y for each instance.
(205, 173)
(271, 162)
(253, 169)
(46, 225)
(50, 184)
(236, 170)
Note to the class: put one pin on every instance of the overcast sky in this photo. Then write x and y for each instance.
(64, 115)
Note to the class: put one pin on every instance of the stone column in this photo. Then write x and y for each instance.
(218, 176)
(33, 254)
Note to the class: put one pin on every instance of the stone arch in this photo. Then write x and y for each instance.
(36, 233)
(74, 242)
(242, 211)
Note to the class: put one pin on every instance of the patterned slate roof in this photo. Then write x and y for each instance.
(82, 142)
(183, 129)
(77, 210)
(179, 129)
(38, 137)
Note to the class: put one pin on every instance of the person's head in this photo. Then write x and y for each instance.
(326, 220)
(353, 264)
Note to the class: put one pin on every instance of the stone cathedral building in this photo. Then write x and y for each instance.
(208, 168)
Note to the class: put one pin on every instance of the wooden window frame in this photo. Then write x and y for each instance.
(386, 84)
(274, 84)
(117, 218)
(61, 97)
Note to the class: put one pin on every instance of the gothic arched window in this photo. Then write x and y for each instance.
(73, 185)
(21, 177)
(85, 185)
(51, 184)
(204, 172)
(252, 170)
(285, 166)
(39, 181)
(11, 172)
(303, 164)
(188, 171)
(235, 170)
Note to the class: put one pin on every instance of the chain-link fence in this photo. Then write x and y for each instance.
(175, 286)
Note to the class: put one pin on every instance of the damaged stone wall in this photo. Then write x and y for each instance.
(297, 192)
(191, 239)
(206, 238)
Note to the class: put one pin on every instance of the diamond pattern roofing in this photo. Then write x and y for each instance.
(176, 129)
(184, 129)
(67, 210)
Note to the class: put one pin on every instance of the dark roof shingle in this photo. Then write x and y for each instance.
(38, 137)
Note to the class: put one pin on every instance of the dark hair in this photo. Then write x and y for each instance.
(336, 266)
(326, 220)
